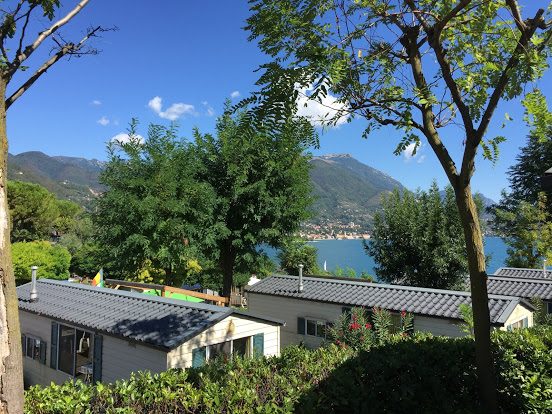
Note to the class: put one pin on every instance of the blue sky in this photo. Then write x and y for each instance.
(180, 60)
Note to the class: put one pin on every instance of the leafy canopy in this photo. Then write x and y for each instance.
(418, 240)
(418, 66)
(153, 208)
(52, 260)
(261, 188)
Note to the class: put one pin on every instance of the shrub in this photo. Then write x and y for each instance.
(418, 373)
(362, 329)
(52, 260)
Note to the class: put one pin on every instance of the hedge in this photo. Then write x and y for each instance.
(421, 373)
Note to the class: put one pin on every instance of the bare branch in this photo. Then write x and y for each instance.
(24, 29)
(65, 49)
(29, 49)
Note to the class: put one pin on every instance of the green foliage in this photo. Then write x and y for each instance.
(33, 210)
(260, 184)
(87, 260)
(295, 252)
(418, 240)
(436, 373)
(152, 209)
(541, 315)
(524, 177)
(528, 233)
(52, 260)
(361, 329)
(467, 315)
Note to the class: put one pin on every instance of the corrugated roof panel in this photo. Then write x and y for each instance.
(155, 321)
(420, 301)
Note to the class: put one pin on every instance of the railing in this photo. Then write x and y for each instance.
(163, 289)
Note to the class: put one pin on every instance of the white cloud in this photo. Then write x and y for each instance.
(124, 138)
(409, 153)
(235, 94)
(209, 110)
(96, 102)
(323, 111)
(103, 121)
(173, 112)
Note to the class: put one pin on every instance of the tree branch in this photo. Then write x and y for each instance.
(504, 77)
(434, 35)
(67, 49)
(514, 8)
(29, 49)
(409, 41)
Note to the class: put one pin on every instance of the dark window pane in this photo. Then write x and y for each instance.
(84, 355)
(321, 329)
(66, 357)
(240, 346)
(30, 347)
(311, 327)
(219, 349)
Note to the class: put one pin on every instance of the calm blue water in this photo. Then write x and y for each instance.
(350, 253)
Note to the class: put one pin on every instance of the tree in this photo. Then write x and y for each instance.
(14, 25)
(295, 252)
(423, 67)
(52, 260)
(525, 185)
(261, 187)
(417, 240)
(153, 209)
(528, 233)
(33, 211)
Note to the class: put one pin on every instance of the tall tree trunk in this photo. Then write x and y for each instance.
(227, 260)
(480, 298)
(11, 368)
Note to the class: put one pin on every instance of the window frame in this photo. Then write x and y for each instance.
(75, 347)
(248, 348)
(37, 341)
(316, 322)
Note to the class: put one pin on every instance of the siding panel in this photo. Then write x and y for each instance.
(120, 358)
(232, 327)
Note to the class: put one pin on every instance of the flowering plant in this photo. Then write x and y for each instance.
(360, 328)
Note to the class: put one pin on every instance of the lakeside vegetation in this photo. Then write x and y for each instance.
(402, 374)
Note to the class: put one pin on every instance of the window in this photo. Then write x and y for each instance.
(312, 327)
(34, 348)
(66, 352)
(240, 347)
(225, 350)
(523, 323)
(549, 307)
(74, 353)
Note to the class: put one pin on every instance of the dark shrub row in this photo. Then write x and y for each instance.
(414, 374)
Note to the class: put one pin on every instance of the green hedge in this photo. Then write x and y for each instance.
(416, 374)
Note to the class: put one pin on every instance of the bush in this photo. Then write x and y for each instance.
(418, 373)
(52, 260)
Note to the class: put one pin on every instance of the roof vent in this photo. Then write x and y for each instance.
(34, 292)
(300, 287)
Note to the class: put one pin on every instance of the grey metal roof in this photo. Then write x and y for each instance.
(154, 321)
(521, 273)
(419, 301)
(522, 287)
(548, 171)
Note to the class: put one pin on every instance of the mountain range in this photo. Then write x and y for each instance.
(345, 190)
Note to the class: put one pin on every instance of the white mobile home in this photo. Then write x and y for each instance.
(96, 334)
(524, 283)
(309, 311)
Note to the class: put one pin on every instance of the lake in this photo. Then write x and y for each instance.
(350, 253)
